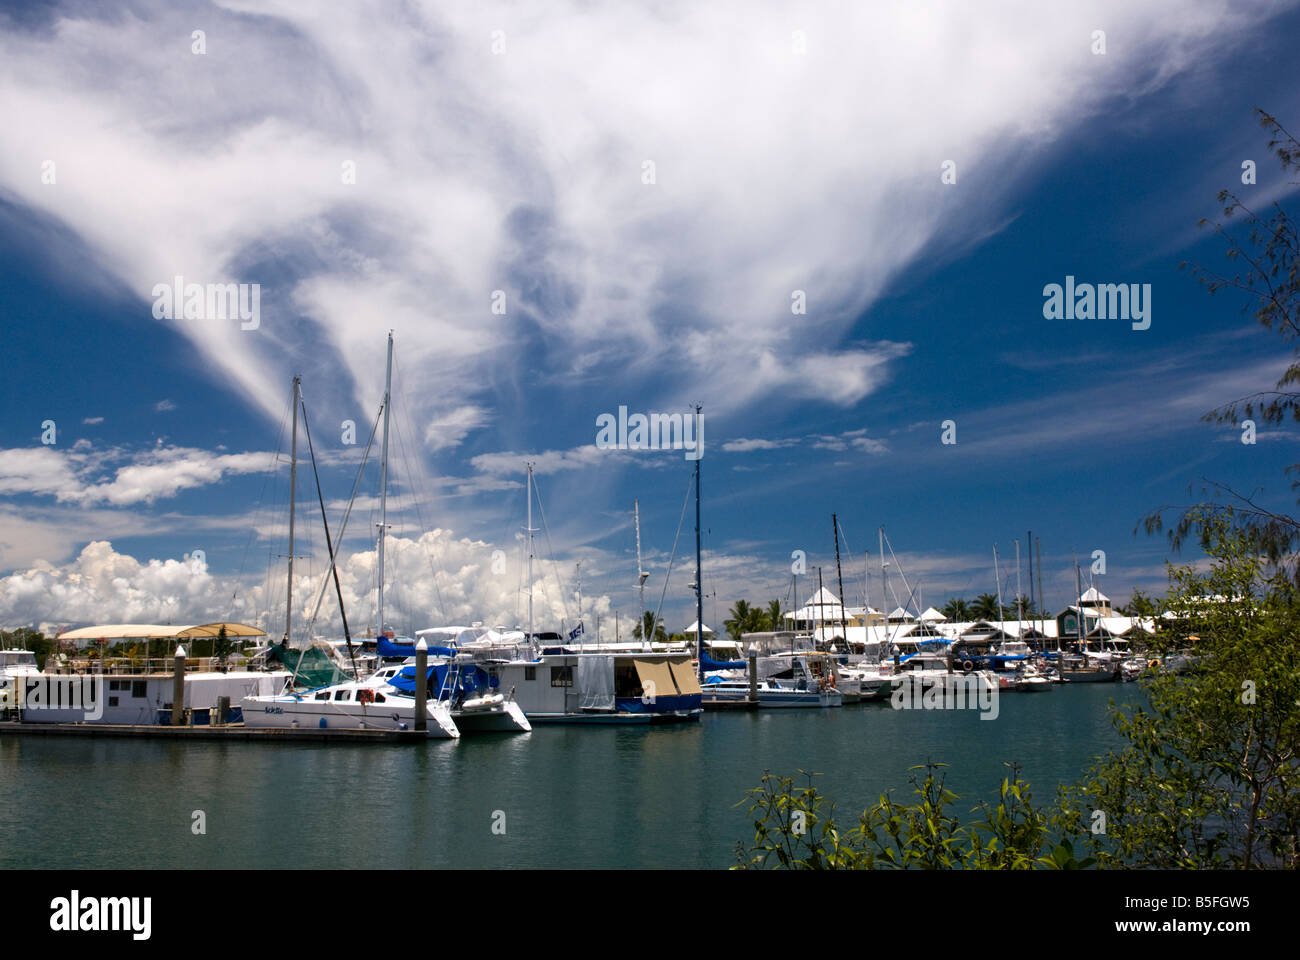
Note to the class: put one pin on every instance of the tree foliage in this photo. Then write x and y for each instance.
(1210, 776)
(795, 828)
(1264, 261)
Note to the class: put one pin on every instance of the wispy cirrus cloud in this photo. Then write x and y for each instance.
(389, 168)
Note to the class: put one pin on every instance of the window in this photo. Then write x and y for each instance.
(112, 701)
(561, 676)
(115, 684)
(530, 673)
(139, 689)
(343, 695)
(379, 698)
(323, 696)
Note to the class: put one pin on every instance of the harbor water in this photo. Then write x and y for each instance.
(559, 797)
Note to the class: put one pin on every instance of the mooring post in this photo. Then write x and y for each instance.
(421, 686)
(178, 688)
(753, 673)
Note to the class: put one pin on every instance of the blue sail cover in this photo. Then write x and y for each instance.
(465, 678)
(708, 663)
(392, 649)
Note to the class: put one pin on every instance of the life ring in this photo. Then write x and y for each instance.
(366, 696)
(967, 666)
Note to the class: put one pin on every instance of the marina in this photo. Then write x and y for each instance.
(603, 797)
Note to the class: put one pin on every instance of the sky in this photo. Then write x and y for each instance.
(830, 225)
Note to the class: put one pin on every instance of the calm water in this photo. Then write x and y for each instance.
(571, 797)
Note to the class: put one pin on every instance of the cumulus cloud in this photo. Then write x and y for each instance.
(778, 167)
(434, 579)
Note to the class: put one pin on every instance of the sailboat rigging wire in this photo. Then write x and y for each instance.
(275, 457)
(348, 513)
(320, 497)
(423, 491)
(555, 568)
(680, 520)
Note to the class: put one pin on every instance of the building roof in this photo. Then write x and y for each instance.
(695, 628)
(932, 615)
(1093, 595)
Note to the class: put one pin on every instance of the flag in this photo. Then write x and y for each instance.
(576, 631)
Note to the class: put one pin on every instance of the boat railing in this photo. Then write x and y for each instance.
(141, 665)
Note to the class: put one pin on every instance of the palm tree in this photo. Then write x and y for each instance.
(742, 617)
(660, 635)
(986, 607)
(957, 610)
(775, 616)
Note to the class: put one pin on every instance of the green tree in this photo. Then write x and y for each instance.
(1210, 776)
(1140, 605)
(25, 638)
(795, 828)
(774, 616)
(986, 607)
(647, 624)
(957, 610)
(1264, 259)
(221, 649)
(745, 619)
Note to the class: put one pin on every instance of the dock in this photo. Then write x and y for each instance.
(232, 731)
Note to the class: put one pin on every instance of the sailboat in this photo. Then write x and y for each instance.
(374, 703)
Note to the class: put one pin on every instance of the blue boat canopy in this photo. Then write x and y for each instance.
(405, 647)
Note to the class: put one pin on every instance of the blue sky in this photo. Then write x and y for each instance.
(523, 170)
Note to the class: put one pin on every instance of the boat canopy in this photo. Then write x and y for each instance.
(708, 663)
(154, 631)
(405, 647)
(466, 679)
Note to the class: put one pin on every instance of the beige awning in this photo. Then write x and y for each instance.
(154, 631)
(656, 678)
(684, 674)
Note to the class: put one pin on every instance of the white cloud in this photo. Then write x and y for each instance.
(92, 421)
(78, 475)
(775, 171)
(165, 406)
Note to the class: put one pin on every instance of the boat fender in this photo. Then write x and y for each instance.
(967, 666)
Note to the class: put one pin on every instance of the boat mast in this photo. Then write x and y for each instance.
(839, 576)
(530, 554)
(293, 486)
(997, 575)
(1042, 603)
(821, 609)
(1020, 603)
(1078, 589)
(699, 573)
(1029, 544)
(383, 480)
(641, 576)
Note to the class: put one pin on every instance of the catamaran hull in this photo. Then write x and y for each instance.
(289, 712)
(503, 718)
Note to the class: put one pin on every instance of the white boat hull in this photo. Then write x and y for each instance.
(301, 712)
(495, 716)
